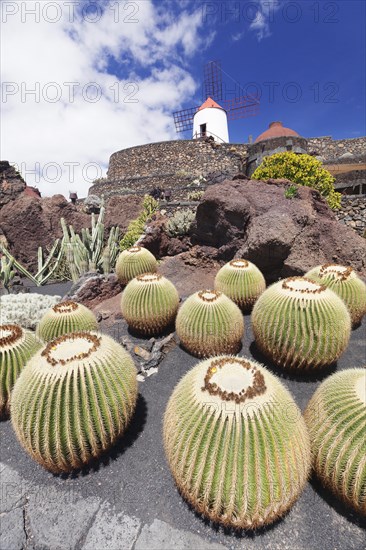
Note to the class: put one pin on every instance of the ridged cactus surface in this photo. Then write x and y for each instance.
(17, 345)
(209, 323)
(133, 262)
(241, 281)
(346, 284)
(300, 324)
(73, 400)
(336, 419)
(236, 442)
(64, 318)
(149, 303)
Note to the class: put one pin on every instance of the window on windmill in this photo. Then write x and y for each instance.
(203, 130)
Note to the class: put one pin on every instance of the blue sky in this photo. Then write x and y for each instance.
(84, 79)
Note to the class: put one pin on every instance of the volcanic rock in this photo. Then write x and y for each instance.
(93, 289)
(11, 183)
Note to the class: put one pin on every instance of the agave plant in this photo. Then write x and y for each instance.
(336, 419)
(346, 284)
(75, 397)
(241, 281)
(65, 317)
(232, 450)
(209, 323)
(300, 324)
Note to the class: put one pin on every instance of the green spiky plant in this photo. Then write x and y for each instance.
(149, 303)
(209, 323)
(134, 261)
(336, 419)
(73, 400)
(344, 282)
(300, 324)
(233, 450)
(241, 281)
(17, 345)
(63, 318)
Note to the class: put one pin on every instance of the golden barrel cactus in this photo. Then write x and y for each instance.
(241, 281)
(236, 442)
(17, 345)
(336, 419)
(149, 303)
(300, 324)
(73, 400)
(209, 323)
(133, 262)
(65, 317)
(346, 284)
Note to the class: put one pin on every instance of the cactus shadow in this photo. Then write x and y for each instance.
(142, 336)
(127, 439)
(340, 507)
(301, 375)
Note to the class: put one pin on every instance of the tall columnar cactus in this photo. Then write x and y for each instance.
(73, 400)
(209, 323)
(149, 303)
(17, 345)
(134, 261)
(336, 419)
(344, 282)
(64, 318)
(300, 324)
(236, 442)
(241, 281)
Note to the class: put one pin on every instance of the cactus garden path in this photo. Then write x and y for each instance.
(128, 499)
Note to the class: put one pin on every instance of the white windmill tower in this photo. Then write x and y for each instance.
(211, 121)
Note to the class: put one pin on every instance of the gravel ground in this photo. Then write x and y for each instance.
(134, 478)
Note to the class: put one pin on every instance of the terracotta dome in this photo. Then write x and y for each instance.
(276, 129)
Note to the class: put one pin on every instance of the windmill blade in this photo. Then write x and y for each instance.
(241, 107)
(212, 77)
(183, 119)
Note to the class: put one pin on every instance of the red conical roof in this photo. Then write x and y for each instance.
(276, 129)
(210, 103)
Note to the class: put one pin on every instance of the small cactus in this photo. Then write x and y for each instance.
(17, 345)
(73, 400)
(234, 452)
(346, 284)
(209, 323)
(300, 324)
(133, 262)
(149, 303)
(241, 281)
(336, 419)
(64, 318)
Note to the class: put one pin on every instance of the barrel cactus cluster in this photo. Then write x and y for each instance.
(75, 397)
(17, 345)
(209, 323)
(149, 303)
(234, 452)
(336, 419)
(346, 284)
(133, 262)
(64, 318)
(300, 324)
(241, 281)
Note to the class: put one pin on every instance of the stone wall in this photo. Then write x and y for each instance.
(258, 151)
(353, 213)
(333, 149)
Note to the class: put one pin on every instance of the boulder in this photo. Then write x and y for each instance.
(283, 237)
(159, 243)
(11, 183)
(92, 289)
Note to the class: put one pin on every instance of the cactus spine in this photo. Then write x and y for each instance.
(65, 317)
(346, 284)
(241, 281)
(133, 262)
(17, 345)
(209, 323)
(300, 324)
(232, 451)
(336, 419)
(73, 400)
(149, 303)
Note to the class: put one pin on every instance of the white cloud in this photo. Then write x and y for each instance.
(264, 16)
(237, 36)
(135, 56)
